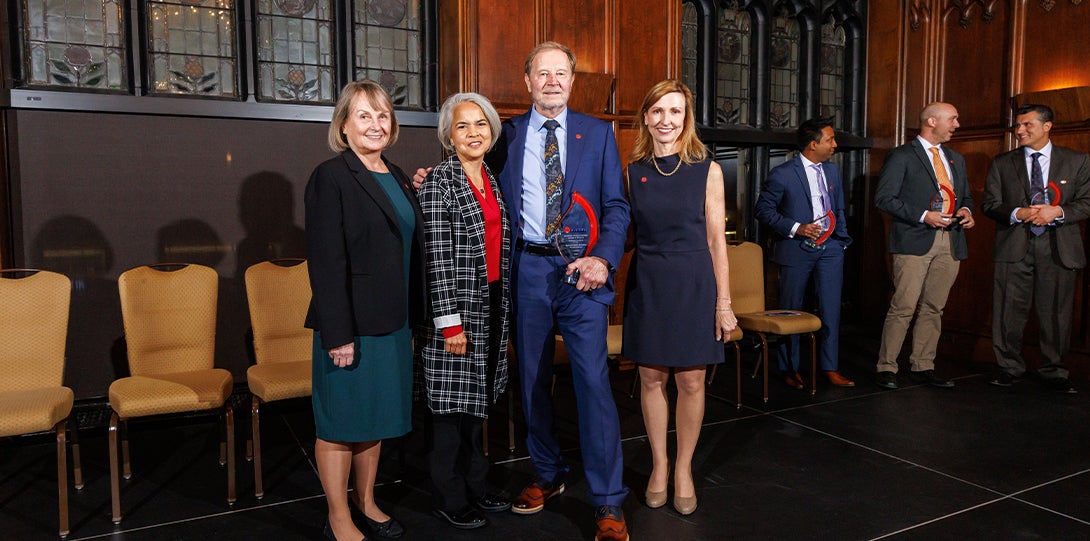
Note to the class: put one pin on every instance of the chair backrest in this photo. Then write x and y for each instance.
(279, 296)
(169, 317)
(33, 328)
(747, 277)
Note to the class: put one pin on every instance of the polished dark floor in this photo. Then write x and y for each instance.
(973, 462)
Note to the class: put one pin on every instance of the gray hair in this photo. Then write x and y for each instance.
(446, 115)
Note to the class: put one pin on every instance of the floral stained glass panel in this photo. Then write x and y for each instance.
(74, 44)
(783, 111)
(689, 24)
(831, 82)
(732, 67)
(295, 55)
(388, 48)
(192, 47)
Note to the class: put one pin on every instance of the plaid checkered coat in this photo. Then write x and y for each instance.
(458, 292)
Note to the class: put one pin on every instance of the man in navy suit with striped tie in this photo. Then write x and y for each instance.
(794, 199)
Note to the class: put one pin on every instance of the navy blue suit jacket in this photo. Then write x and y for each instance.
(592, 168)
(785, 200)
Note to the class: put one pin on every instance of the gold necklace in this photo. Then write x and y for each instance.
(661, 172)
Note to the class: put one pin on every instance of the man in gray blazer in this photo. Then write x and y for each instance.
(922, 186)
(1037, 194)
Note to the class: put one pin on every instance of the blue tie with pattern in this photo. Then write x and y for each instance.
(1037, 189)
(554, 178)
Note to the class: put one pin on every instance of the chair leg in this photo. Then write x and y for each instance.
(115, 484)
(484, 437)
(635, 383)
(254, 448)
(813, 365)
(126, 465)
(737, 375)
(510, 421)
(77, 465)
(229, 421)
(764, 364)
(62, 477)
(711, 375)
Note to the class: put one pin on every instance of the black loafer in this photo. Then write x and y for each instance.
(929, 377)
(886, 379)
(1061, 385)
(468, 519)
(492, 503)
(1003, 379)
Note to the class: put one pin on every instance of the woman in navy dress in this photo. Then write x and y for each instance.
(365, 245)
(677, 309)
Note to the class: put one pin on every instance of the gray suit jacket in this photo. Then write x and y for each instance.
(1007, 187)
(906, 187)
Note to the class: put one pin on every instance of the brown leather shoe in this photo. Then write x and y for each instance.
(794, 380)
(532, 498)
(611, 526)
(836, 379)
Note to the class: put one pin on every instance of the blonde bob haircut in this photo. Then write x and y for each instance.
(689, 147)
(375, 95)
(446, 117)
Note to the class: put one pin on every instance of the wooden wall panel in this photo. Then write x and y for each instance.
(1055, 53)
(977, 88)
(584, 26)
(639, 68)
(505, 35)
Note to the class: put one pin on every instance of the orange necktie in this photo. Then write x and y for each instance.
(944, 179)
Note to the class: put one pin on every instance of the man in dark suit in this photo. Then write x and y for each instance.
(537, 181)
(1037, 194)
(795, 194)
(923, 187)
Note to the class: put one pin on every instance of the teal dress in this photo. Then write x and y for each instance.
(371, 399)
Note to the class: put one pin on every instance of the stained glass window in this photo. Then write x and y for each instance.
(295, 51)
(75, 44)
(783, 108)
(388, 48)
(831, 85)
(192, 47)
(689, 46)
(732, 67)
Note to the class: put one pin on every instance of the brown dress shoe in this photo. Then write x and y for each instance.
(794, 380)
(611, 526)
(532, 498)
(836, 379)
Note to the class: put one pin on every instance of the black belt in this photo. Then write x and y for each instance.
(534, 248)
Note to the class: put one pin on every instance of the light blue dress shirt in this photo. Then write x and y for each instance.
(533, 173)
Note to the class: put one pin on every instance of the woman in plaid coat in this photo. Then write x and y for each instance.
(467, 240)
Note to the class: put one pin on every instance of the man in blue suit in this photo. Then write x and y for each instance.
(794, 197)
(589, 165)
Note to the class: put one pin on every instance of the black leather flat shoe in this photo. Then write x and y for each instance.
(327, 531)
(492, 503)
(469, 519)
(391, 529)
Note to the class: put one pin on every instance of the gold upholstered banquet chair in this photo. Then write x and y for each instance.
(747, 287)
(278, 293)
(169, 314)
(33, 329)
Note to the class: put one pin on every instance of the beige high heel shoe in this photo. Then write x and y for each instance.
(653, 499)
(685, 505)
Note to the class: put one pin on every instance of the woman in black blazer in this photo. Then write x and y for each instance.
(465, 343)
(365, 253)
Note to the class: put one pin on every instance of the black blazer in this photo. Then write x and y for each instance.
(906, 186)
(355, 255)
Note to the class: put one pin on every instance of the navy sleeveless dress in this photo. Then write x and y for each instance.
(669, 309)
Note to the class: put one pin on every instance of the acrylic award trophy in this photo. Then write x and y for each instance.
(946, 205)
(827, 222)
(577, 233)
(1043, 198)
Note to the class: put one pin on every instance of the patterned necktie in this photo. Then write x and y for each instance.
(1037, 189)
(554, 178)
(944, 178)
(826, 199)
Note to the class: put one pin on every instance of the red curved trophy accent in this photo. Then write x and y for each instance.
(828, 230)
(1056, 190)
(951, 199)
(578, 199)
